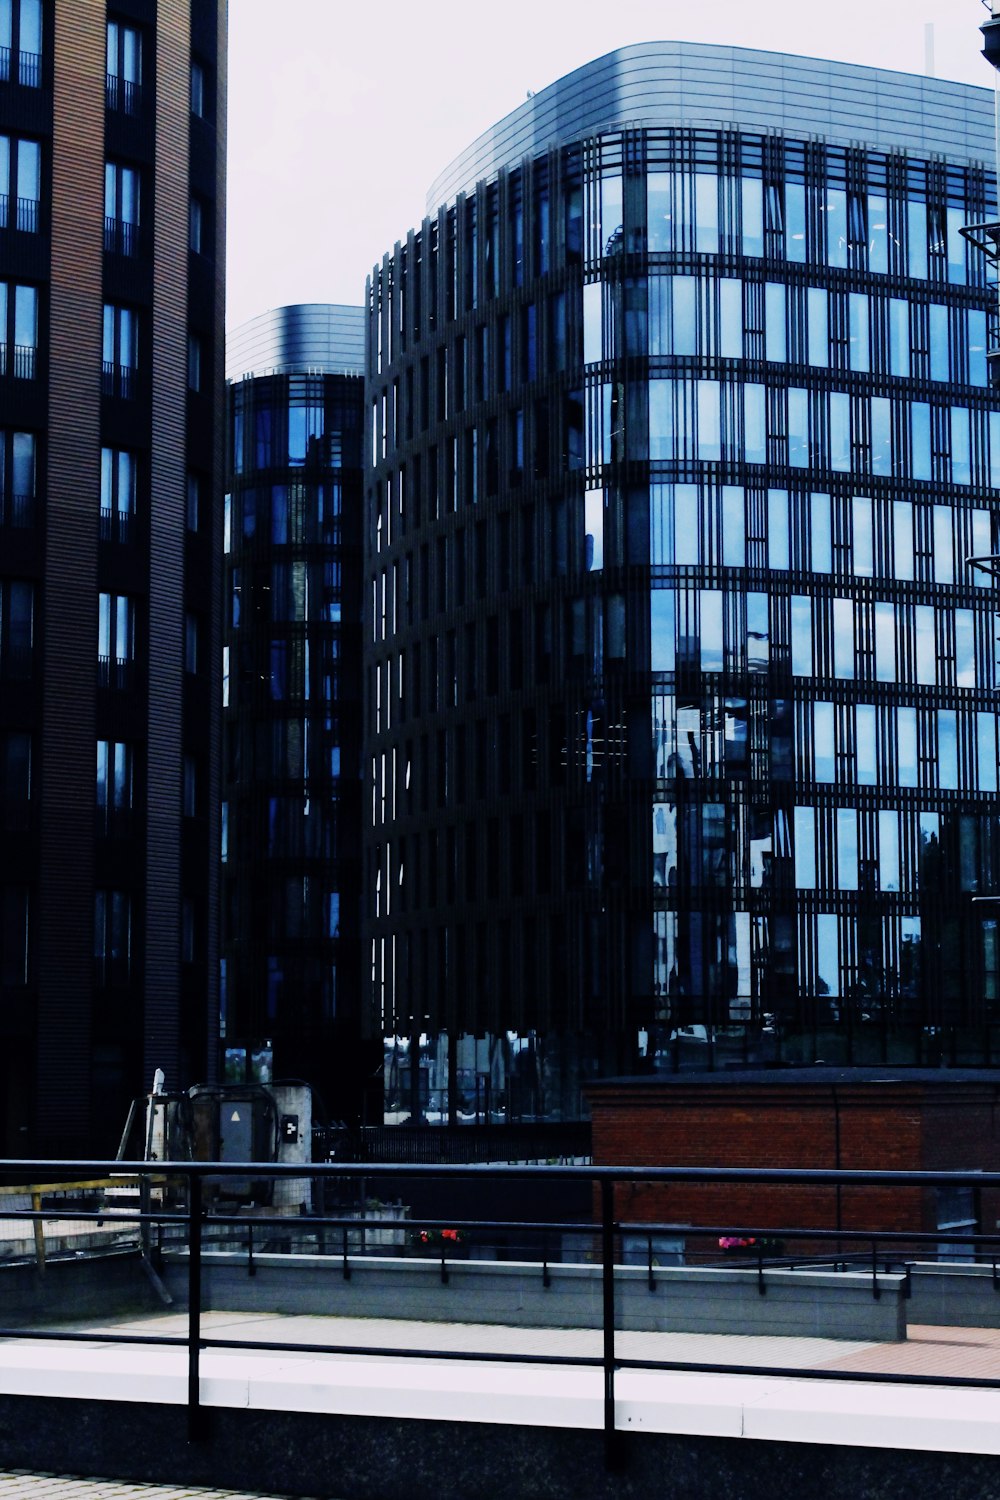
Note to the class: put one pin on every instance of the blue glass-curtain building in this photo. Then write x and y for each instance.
(680, 694)
(291, 703)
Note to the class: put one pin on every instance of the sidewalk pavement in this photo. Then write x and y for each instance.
(17, 1485)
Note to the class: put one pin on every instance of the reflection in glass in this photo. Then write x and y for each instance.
(754, 424)
(847, 849)
(902, 538)
(986, 751)
(906, 739)
(592, 335)
(661, 630)
(965, 648)
(916, 238)
(734, 531)
(881, 435)
(661, 419)
(819, 336)
(920, 437)
(865, 728)
(795, 221)
(947, 749)
(730, 318)
(798, 427)
(774, 322)
(777, 529)
(977, 348)
(757, 633)
(751, 192)
(840, 431)
(706, 212)
(827, 955)
(820, 534)
(888, 850)
(864, 551)
(687, 529)
(926, 653)
(711, 630)
(939, 341)
(858, 331)
(944, 559)
(836, 227)
(899, 336)
(885, 642)
(805, 848)
(709, 421)
(878, 233)
(684, 306)
(593, 526)
(843, 637)
(824, 755)
(961, 453)
(802, 655)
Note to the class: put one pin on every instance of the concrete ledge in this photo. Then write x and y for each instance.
(954, 1295)
(821, 1304)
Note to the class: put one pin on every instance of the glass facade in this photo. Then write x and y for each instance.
(680, 694)
(291, 800)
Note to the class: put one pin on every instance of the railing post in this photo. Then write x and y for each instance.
(196, 1415)
(39, 1232)
(251, 1268)
(612, 1452)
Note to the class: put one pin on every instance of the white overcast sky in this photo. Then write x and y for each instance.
(341, 113)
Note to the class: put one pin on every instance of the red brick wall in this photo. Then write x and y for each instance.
(892, 1127)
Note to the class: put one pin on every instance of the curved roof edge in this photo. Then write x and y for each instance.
(318, 338)
(714, 87)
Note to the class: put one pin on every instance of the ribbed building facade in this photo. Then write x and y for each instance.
(112, 145)
(292, 703)
(680, 694)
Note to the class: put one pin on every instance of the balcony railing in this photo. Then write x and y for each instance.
(117, 380)
(29, 70)
(19, 360)
(115, 673)
(123, 96)
(121, 238)
(4, 64)
(17, 511)
(116, 525)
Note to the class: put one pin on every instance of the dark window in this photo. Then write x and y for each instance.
(21, 42)
(20, 184)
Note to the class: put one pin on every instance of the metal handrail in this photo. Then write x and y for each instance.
(67, 1175)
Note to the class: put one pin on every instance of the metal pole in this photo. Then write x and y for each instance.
(196, 1424)
(612, 1452)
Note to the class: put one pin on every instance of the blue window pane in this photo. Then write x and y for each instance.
(777, 529)
(734, 530)
(804, 827)
(878, 233)
(863, 540)
(899, 336)
(711, 630)
(840, 431)
(685, 315)
(661, 419)
(888, 850)
(858, 331)
(751, 189)
(754, 424)
(795, 221)
(843, 638)
(709, 420)
(947, 749)
(961, 452)
(881, 435)
(847, 849)
(920, 437)
(939, 341)
(956, 245)
(865, 730)
(977, 348)
(802, 656)
(819, 339)
(902, 538)
(916, 238)
(706, 211)
(687, 529)
(774, 322)
(661, 630)
(824, 750)
(906, 739)
(820, 534)
(836, 226)
(798, 428)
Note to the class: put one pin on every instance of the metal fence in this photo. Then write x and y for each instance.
(184, 1204)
